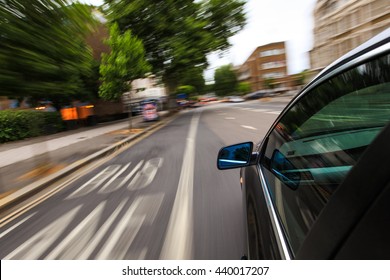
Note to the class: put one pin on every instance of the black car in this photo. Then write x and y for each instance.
(318, 185)
(256, 94)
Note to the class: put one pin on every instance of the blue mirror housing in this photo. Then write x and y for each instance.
(235, 156)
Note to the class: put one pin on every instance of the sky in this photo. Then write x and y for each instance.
(268, 21)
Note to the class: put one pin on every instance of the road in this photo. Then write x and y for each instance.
(162, 198)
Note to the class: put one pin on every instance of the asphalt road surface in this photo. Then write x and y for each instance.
(162, 198)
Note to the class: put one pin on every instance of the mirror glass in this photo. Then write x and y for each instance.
(285, 170)
(235, 156)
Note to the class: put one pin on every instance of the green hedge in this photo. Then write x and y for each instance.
(17, 125)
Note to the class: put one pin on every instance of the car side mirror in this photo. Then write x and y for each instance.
(235, 156)
(282, 168)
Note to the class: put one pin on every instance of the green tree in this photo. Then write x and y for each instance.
(125, 63)
(244, 87)
(179, 34)
(193, 77)
(225, 80)
(187, 89)
(43, 53)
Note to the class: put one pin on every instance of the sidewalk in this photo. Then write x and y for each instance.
(26, 162)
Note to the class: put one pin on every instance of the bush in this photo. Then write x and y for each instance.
(17, 125)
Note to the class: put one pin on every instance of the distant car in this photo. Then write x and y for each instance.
(318, 185)
(256, 95)
(235, 99)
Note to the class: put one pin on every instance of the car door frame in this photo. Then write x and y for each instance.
(358, 56)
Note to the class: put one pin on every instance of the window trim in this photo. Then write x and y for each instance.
(281, 239)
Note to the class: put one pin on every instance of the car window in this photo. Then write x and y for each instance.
(317, 142)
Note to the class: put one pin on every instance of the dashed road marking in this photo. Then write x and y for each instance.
(267, 111)
(249, 127)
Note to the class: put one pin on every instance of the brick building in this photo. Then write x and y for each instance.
(341, 25)
(266, 67)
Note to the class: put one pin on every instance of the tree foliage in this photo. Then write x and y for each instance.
(125, 63)
(178, 34)
(43, 53)
(193, 77)
(225, 80)
(244, 87)
(187, 89)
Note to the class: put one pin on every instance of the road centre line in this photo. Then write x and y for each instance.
(275, 112)
(178, 243)
(248, 127)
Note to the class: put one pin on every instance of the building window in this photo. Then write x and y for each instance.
(271, 52)
(273, 64)
(274, 75)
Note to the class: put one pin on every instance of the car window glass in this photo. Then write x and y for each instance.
(316, 143)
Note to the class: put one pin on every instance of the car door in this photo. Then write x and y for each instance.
(311, 199)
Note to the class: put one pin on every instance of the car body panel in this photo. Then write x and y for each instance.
(338, 225)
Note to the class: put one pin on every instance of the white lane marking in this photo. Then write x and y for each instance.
(150, 206)
(102, 189)
(74, 242)
(259, 110)
(178, 241)
(143, 211)
(143, 178)
(124, 181)
(34, 247)
(95, 182)
(127, 224)
(230, 118)
(100, 234)
(248, 127)
(16, 225)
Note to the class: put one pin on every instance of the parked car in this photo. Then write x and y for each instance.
(318, 185)
(256, 95)
(235, 99)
